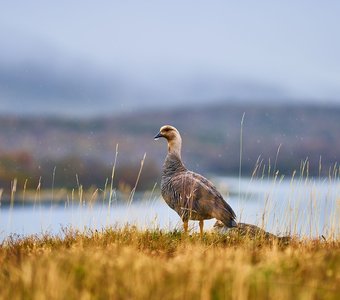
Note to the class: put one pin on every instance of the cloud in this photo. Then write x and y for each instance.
(37, 82)
(76, 89)
(32, 86)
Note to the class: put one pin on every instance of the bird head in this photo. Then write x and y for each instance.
(173, 137)
(168, 132)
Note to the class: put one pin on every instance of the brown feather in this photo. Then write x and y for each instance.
(191, 195)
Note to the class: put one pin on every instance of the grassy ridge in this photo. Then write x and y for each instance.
(132, 264)
(40, 147)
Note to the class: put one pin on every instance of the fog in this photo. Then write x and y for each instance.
(76, 58)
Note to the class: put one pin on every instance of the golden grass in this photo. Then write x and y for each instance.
(128, 263)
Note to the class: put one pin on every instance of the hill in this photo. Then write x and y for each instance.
(279, 136)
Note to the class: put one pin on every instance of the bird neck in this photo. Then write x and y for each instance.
(172, 165)
(175, 146)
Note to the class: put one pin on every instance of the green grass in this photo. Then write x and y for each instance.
(126, 263)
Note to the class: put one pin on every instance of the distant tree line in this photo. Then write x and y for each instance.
(284, 138)
(70, 172)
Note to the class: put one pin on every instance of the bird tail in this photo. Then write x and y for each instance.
(229, 217)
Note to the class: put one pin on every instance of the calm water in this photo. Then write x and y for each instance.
(301, 207)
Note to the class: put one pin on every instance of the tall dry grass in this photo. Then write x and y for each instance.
(152, 264)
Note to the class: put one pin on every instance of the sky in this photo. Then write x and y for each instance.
(106, 57)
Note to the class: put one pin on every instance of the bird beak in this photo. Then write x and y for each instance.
(159, 135)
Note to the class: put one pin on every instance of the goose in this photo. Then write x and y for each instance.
(191, 195)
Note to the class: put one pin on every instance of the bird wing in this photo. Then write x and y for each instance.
(200, 197)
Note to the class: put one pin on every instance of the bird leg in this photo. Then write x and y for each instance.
(185, 226)
(201, 223)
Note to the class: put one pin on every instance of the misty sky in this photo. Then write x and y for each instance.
(85, 57)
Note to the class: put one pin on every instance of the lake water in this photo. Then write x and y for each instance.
(304, 207)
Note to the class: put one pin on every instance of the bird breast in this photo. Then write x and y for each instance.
(182, 193)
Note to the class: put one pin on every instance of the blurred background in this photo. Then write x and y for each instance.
(79, 77)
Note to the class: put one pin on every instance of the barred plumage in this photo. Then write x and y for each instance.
(191, 195)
